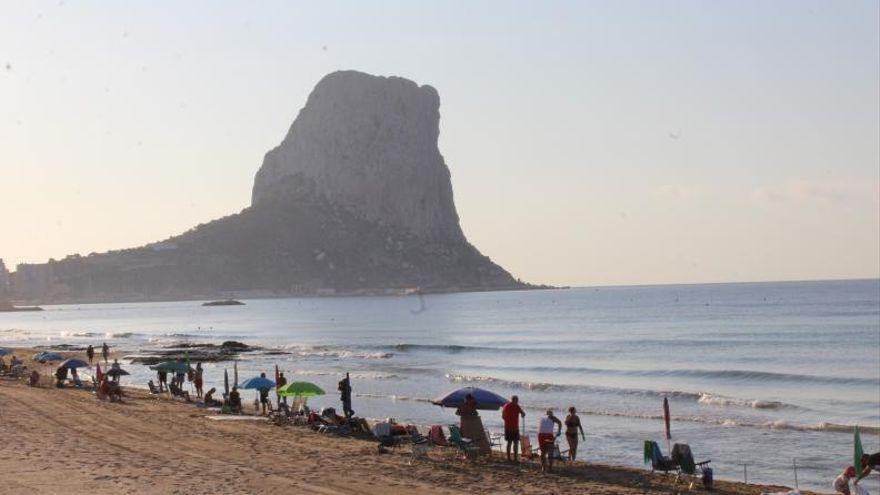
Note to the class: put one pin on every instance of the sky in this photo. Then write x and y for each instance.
(590, 143)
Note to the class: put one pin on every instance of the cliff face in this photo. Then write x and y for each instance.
(369, 144)
(355, 200)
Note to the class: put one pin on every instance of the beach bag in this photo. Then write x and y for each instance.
(436, 435)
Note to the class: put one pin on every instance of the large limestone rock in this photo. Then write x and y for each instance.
(355, 200)
(369, 144)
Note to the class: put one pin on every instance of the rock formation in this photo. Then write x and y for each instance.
(355, 200)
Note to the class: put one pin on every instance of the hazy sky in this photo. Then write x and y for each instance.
(589, 142)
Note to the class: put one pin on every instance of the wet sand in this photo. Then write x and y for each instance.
(66, 440)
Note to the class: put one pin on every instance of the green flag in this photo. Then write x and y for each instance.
(857, 451)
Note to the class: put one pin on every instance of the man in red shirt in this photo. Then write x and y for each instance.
(511, 413)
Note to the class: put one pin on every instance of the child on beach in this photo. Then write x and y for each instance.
(105, 351)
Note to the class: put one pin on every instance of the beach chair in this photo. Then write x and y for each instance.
(495, 440)
(466, 445)
(153, 389)
(658, 461)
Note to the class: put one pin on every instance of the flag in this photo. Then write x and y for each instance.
(98, 374)
(857, 451)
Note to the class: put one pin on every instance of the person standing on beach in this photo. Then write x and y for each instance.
(198, 379)
(282, 381)
(264, 395)
(90, 353)
(572, 425)
(546, 439)
(841, 483)
(105, 351)
(511, 413)
(163, 380)
(345, 395)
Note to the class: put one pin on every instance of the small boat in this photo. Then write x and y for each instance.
(225, 302)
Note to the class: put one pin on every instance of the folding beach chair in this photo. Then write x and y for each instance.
(658, 461)
(465, 444)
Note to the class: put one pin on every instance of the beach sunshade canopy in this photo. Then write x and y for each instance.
(74, 363)
(117, 372)
(4, 351)
(171, 366)
(257, 382)
(302, 389)
(486, 400)
(45, 357)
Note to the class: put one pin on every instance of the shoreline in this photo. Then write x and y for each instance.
(152, 444)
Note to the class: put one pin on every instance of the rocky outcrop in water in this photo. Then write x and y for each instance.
(356, 199)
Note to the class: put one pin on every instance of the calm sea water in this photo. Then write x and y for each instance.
(755, 373)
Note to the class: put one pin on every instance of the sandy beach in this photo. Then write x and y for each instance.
(66, 440)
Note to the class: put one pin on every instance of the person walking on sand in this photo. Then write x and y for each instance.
(105, 352)
(345, 395)
(546, 439)
(511, 413)
(198, 379)
(90, 353)
(572, 425)
(163, 380)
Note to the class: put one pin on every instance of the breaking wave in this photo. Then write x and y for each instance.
(700, 397)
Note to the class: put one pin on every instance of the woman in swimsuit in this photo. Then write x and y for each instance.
(572, 425)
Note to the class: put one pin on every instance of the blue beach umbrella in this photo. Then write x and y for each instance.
(486, 400)
(46, 357)
(258, 382)
(74, 363)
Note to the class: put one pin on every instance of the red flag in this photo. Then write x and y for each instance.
(98, 374)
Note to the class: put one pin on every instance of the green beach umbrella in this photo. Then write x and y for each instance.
(302, 389)
(857, 451)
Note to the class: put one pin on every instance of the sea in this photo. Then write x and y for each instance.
(765, 379)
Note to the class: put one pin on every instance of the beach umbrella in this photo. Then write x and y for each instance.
(858, 451)
(74, 363)
(171, 366)
(235, 372)
(257, 382)
(98, 374)
(4, 351)
(47, 357)
(302, 389)
(485, 399)
(666, 420)
(226, 381)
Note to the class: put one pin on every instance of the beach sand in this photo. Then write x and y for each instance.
(66, 440)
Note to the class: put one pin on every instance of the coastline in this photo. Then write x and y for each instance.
(151, 444)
